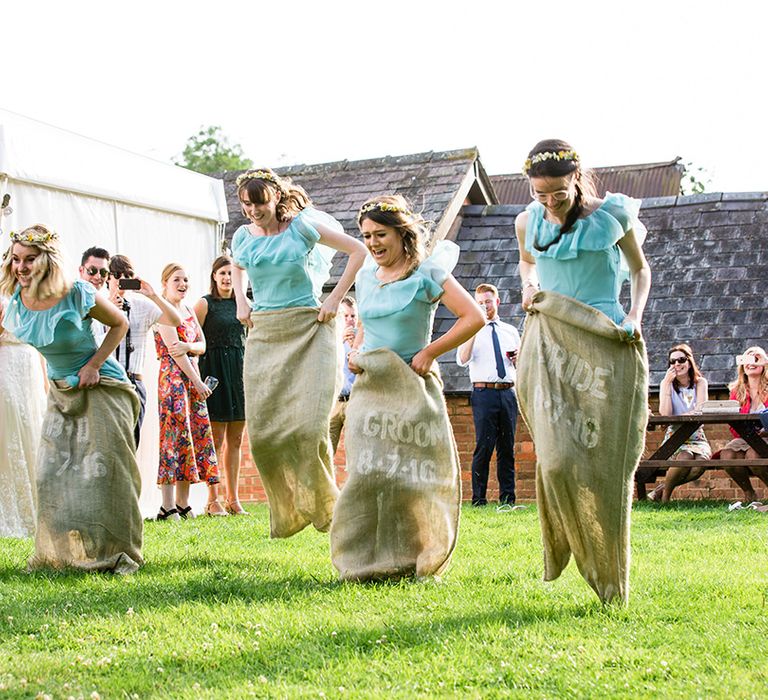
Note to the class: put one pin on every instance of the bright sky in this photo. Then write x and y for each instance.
(297, 81)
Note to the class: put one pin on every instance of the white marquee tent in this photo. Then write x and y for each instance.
(92, 193)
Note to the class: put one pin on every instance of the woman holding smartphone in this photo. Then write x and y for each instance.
(187, 454)
(223, 359)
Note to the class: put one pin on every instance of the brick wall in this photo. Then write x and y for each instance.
(714, 484)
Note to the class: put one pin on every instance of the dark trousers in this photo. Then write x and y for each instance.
(141, 392)
(495, 414)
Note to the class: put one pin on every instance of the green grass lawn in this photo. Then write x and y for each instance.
(220, 610)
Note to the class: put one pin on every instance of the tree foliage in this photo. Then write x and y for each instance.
(695, 179)
(209, 151)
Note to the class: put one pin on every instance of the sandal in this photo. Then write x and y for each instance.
(164, 514)
(185, 513)
(235, 508)
(214, 513)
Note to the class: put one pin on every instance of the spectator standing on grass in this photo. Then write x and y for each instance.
(223, 359)
(491, 357)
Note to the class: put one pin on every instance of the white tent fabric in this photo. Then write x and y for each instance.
(95, 194)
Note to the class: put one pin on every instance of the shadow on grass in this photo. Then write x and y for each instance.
(156, 586)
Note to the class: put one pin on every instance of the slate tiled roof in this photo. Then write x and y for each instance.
(642, 180)
(708, 255)
(436, 182)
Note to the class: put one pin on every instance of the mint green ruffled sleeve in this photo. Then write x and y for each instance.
(321, 256)
(436, 269)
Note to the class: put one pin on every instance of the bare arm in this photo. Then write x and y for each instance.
(356, 252)
(170, 316)
(665, 393)
(196, 347)
(169, 336)
(640, 275)
(240, 284)
(201, 311)
(107, 313)
(702, 392)
(470, 320)
(529, 277)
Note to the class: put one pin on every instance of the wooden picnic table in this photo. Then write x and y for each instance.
(745, 424)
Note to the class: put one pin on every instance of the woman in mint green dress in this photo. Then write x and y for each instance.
(398, 512)
(87, 477)
(582, 371)
(290, 370)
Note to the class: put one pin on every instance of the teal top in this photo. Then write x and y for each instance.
(62, 333)
(287, 269)
(399, 315)
(586, 263)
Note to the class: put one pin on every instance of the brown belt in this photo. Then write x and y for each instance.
(493, 385)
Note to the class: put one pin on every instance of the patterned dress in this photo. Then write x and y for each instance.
(186, 440)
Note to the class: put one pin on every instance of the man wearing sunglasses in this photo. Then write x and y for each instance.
(94, 267)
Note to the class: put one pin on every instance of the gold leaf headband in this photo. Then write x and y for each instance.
(33, 236)
(549, 155)
(255, 175)
(384, 206)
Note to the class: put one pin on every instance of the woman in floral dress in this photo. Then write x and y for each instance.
(187, 454)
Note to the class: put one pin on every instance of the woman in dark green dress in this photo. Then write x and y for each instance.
(223, 359)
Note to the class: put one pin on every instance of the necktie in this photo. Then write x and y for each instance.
(500, 369)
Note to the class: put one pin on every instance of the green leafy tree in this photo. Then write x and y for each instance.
(209, 151)
(695, 179)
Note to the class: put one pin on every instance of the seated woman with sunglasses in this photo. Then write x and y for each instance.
(680, 392)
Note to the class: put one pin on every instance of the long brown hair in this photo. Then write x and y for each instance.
(398, 214)
(693, 370)
(740, 386)
(221, 261)
(553, 167)
(261, 190)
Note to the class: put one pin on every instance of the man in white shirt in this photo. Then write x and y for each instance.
(491, 355)
(143, 309)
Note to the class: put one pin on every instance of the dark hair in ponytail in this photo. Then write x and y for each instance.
(561, 167)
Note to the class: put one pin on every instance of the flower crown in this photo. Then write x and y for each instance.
(33, 236)
(384, 206)
(549, 155)
(255, 175)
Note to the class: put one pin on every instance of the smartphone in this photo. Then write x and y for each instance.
(129, 283)
(211, 382)
(749, 360)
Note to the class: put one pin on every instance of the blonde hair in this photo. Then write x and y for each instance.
(396, 212)
(48, 277)
(261, 190)
(165, 275)
(740, 385)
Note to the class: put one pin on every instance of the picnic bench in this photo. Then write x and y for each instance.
(746, 425)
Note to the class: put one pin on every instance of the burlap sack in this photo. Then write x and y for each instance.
(583, 392)
(88, 481)
(291, 377)
(398, 513)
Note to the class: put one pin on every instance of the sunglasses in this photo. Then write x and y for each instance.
(677, 361)
(96, 271)
(118, 275)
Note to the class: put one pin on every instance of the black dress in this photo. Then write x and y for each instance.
(223, 359)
